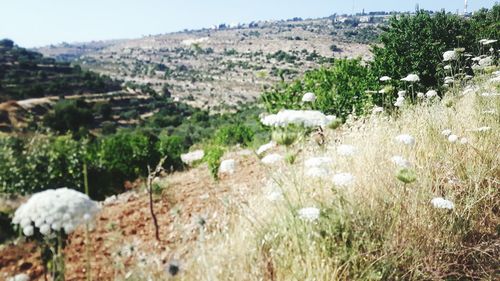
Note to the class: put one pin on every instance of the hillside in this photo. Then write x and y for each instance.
(26, 74)
(213, 68)
(252, 218)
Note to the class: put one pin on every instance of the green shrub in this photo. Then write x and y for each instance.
(213, 154)
(340, 90)
(70, 115)
(234, 134)
(40, 162)
(415, 44)
(171, 147)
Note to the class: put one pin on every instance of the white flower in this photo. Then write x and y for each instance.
(449, 55)
(487, 41)
(343, 179)
(265, 147)
(464, 140)
(382, 91)
(308, 97)
(28, 230)
(401, 162)
(405, 139)
(227, 166)
(442, 203)
(385, 78)
(377, 109)
(452, 138)
(19, 277)
(274, 196)
(449, 80)
(431, 94)
(54, 209)
(420, 95)
(446, 132)
(447, 67)
(481, 129)
(317, 172)
(346, 150)
(318, 162)
(487, 61)
(309, 213)
(271, 159)
(411, 78)
(401, 93)
(307, 118)
(399, 102)
(191, 157)
(490, 95)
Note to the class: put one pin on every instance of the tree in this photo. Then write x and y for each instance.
(415, 44)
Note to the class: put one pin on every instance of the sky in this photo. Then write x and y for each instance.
(32, 23)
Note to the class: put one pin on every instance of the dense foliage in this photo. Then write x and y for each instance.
(416, 43)
(34, 162)
(339, 89)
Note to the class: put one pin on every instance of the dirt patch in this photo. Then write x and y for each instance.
(191, 204)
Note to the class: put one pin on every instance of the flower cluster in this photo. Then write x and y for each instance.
(318, 167)
(442, 203)
(191, 157)
(400, 161)
(308, 97)
(405, 139)
(411, 78)
(343, 179)
(307, 118)
(55, 210)
(449, 56)
(309, 213)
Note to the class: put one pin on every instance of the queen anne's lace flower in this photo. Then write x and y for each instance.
(191, 157)
(343, 179)
(385, 78)
(452, 138)
(307, 118)
(19, 277)
(442, 203)
(401, 162)
(55, 210)
(446, 132)
(309, 213)
(308, 97)
(346, 150)
(405, 139)
(411, 78)
(449, 56)
(431, 94)
(399, 102)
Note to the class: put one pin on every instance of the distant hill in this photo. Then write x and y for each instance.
(26, 74)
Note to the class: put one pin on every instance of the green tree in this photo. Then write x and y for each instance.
(416, 43)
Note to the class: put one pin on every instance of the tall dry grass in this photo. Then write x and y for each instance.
(380, 228)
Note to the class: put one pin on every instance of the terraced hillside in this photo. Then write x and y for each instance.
(26, 74)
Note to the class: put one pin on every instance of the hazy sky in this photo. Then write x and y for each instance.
(41, 22)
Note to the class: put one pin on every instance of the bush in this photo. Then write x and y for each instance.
(171, 147)
(340, 90)
(213, 154)
(415, 44)
(234, 134)
(70, 115)
(40, 162)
